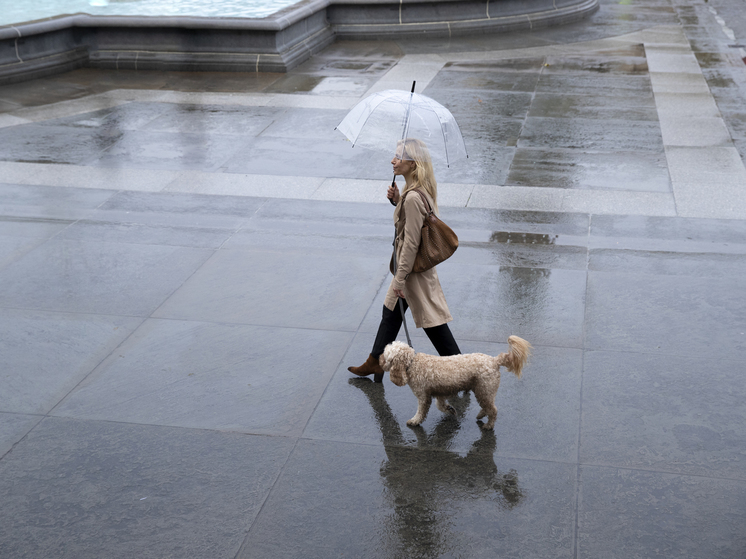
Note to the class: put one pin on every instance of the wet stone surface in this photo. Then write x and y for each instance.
(175, 375)
(538, 102)
(590, 135)
(116, 490)
(129, 116)
(550, 105)
(569, 168)
(519, 75)
(408, 493)
(207, 358)
(55, 144)
(652, 514)
(541, 104)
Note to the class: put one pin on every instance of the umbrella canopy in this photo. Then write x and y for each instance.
(382, 119)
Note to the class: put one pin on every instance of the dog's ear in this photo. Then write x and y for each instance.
(401, 356)
(385, 359)
(398, 376)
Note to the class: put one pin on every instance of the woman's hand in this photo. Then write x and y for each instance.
(399, 293)
(393, 194)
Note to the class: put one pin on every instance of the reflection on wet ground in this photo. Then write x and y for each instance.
(419, 483)
(522, 238)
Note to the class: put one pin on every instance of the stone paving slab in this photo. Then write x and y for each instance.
(234, 184)
(625, 403)
(9, 120)
(13, 249)
(661, 312)
(696, 131)
(718, 167)
(694, 105)
(218, 291)
(210, 376)
(496, 520)
(691, 235)
(578, 170)
(664, 83)
(129, 280)
(420, 68)
(47, 354)
(13, 427)
(643, 524)
(88, 489)
(686, 120)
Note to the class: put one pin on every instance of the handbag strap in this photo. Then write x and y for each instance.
(424, 199)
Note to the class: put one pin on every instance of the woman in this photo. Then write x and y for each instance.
(421, 293)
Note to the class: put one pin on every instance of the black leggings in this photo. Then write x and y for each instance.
(440, 336)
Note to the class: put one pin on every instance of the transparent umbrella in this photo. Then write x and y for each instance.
(382, 119)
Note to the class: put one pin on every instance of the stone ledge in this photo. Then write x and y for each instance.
(357, 19)
(273, 44)
(39, 67)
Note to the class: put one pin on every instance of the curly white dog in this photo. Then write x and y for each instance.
(440, 377)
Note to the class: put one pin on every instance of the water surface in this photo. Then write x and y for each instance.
(19, 11)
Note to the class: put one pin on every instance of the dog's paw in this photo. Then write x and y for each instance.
(485, 426)
(414, 422)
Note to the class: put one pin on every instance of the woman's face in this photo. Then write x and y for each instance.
(402, 166)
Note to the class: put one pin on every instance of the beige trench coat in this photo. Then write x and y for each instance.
(422, 291)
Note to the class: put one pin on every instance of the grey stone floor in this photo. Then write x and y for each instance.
(189, 263)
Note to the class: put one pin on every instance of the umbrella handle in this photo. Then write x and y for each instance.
(393, 185)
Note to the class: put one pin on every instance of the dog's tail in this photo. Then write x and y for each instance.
(517, 356)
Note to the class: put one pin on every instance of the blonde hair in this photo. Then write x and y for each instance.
(423, 175)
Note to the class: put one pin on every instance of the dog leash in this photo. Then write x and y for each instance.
(401, 303)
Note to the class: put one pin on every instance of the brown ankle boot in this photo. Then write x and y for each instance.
(370, 367)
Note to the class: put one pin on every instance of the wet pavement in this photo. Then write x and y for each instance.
(189, 263)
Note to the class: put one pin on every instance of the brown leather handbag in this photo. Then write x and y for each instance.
(438, 242)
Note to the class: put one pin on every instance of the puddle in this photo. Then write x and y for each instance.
(711, 59)
(295, 83)
(341, 86)
(522, 238)
(597, 65)
(513, 65)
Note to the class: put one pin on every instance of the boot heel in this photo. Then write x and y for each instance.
(378, 377)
